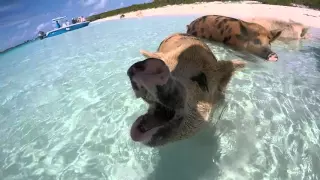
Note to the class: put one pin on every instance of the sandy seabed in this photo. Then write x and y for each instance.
(245, 9)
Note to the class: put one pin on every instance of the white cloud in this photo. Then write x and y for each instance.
(97, 4)
(102, 4)
(5, 8)
(12, 23)
(121, 4)
(8, 7)
(89, 2)
(41, 27)
(23, 25)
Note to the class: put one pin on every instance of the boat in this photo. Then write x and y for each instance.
(41, 35)
(65, 27)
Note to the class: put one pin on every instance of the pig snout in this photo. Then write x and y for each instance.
(269, 55)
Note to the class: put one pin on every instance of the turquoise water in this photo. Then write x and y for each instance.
(66, 109)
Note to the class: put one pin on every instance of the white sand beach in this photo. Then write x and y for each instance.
(246, 9)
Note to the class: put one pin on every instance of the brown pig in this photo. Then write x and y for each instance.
(181, 83)
(236, 33)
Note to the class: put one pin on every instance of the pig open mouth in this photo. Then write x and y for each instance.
(272, 57)
(146, 125)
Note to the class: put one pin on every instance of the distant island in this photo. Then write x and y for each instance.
(18, 45)
(315, 4)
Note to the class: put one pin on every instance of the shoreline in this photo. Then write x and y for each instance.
(241, 10)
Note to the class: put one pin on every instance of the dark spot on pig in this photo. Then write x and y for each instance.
(219, 24)
(224, 21)
(218, 18)
(194, 33)
(241, 38)
(226, 39)
(203, 18)
(227, 27)
(229, 30)
(183, 38)
(202, 30)
(201, 79)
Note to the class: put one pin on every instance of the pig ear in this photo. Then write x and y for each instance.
(158, 70)
(304, 32)
(148, 54)
(275, 34)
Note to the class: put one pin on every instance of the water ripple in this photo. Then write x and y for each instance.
(66, 110)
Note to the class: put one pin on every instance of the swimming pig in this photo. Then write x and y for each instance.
(251, 37)
(290, 29)
(181, 83)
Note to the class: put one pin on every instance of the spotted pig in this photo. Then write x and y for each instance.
(181, 83)
(251, 37)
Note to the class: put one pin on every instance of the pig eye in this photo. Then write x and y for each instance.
(257, 41)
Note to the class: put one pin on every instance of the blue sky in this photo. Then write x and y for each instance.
(22, 19)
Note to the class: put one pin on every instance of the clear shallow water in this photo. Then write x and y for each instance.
(66, 109)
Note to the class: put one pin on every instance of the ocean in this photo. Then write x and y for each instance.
(67, 107)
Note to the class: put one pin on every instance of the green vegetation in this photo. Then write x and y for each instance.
(310, 3)
(160, 3)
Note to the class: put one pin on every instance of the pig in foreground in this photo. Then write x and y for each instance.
(236, 33)
(181, 83)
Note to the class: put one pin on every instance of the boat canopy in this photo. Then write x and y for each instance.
(58, 18)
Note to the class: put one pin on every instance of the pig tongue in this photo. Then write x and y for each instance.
(143, 127)
(148, 123)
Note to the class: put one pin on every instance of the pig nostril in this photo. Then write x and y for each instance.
(136, 68)
(139, 66)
